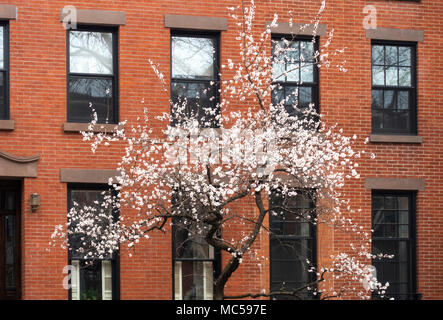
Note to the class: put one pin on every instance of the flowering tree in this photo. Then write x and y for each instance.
(204, 163)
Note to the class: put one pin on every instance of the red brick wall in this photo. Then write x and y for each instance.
(38, 106)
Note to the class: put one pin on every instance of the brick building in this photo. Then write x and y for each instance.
(390, 94)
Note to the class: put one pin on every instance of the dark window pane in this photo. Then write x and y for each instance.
(90, 280)
(377, 99)
(305, 96)
(195, 99)
(291, 249)
(390, 216)
(389, 99)
(283, 249)
(390, 202)
(377, 119)
(10, 201)
(387, 230)
(192, 57)
(403, 231)
(88, 197)
(90, 52)
(396, 248)
(291, 215)
(291, 94)
(189, 245)
(291, 227)
(378, 202)
(404, 120)
(303, 294)
(290, 271)
(392, 272)
(396, 120)
(403, 100)
(403, 203)
(277, 96)
(390, 120)
(97, 92)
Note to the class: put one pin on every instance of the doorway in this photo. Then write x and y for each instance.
(10, 252)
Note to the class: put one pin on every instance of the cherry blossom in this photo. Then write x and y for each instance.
(258, 148)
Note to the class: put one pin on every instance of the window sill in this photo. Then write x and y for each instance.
(387, 138)
(98, 128)
(7, 125)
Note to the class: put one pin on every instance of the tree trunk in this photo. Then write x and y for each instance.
(219, 292)
(224, 277)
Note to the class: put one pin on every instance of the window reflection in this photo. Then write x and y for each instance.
(192, 58)
(86, 91)
(90, 52)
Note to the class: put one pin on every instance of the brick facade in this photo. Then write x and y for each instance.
(38, 108)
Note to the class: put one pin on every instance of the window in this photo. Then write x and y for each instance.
(4, 74)
(292, 243)
(193, 265)
(393, 222)
(300, 83)
(195, 262)
(393, 88)
(92, 75)
(194, 77)
(91, 279)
